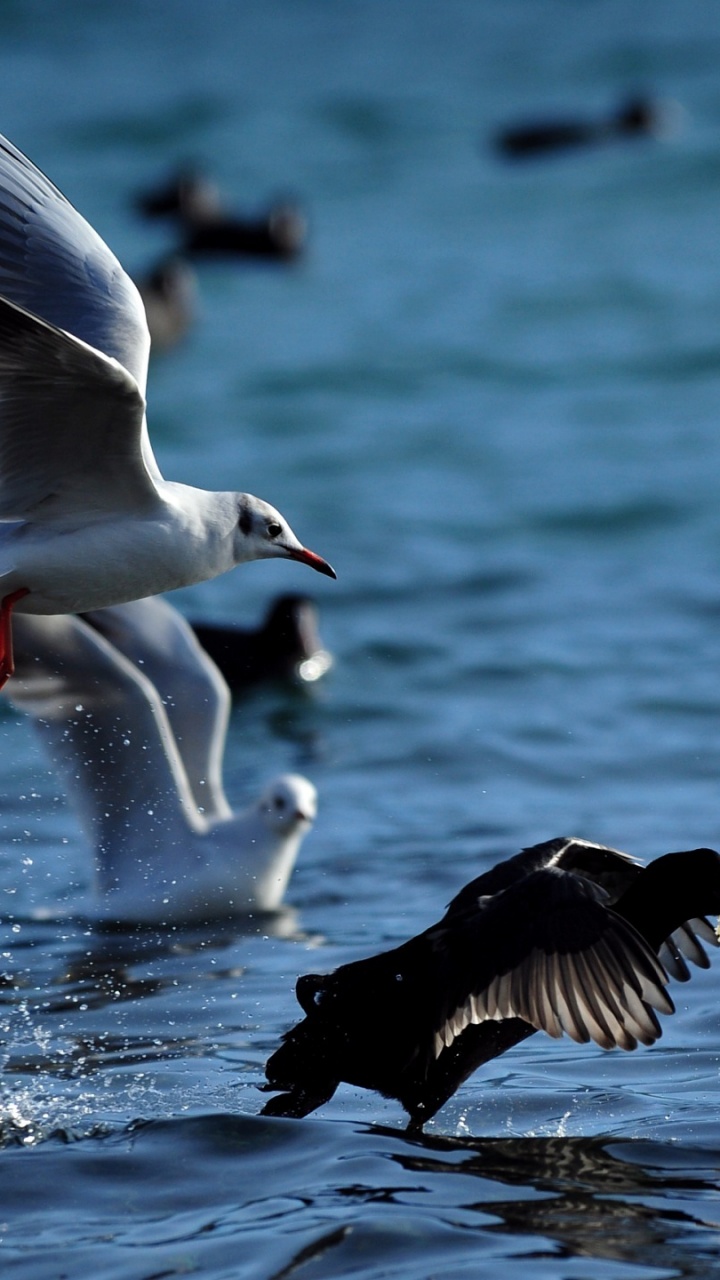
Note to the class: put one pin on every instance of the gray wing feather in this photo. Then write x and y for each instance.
(71, 424)
(684, 944)
(56, 266)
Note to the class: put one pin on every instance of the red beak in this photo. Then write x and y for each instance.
(313, 560)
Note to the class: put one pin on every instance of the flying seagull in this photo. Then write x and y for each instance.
(86, 518)
(133, 716)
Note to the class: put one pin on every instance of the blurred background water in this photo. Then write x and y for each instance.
(488, 393)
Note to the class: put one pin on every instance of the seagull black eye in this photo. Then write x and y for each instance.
(273, 529)
(280, 803)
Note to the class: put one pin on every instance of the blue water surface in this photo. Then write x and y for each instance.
(488, 393)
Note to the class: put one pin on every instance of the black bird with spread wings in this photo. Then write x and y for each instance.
(567, 937)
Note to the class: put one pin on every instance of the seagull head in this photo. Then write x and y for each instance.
(262, 533)
(288, 803)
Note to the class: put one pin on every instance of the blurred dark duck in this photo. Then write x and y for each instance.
(638, 117)
(209, 229)
(286, 645)
(567, 936)
(279, 233)
(169, 295)
(188, 194)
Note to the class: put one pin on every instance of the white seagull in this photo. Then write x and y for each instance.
(86, 519)
(134, 720)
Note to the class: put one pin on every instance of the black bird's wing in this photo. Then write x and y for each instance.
(545, 955)
(611, 870)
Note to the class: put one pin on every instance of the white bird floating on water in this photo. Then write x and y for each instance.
(134, 719)
(86, 519)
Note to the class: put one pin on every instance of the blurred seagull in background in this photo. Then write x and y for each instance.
(133, 715)
(86, 519)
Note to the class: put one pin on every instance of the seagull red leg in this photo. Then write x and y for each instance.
(7, 664)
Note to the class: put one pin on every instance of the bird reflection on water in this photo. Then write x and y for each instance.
(599, 1197)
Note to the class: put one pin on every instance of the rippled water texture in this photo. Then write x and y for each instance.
(488, 393)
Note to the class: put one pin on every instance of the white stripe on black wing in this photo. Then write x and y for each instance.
(684, 944)
(606, 992)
